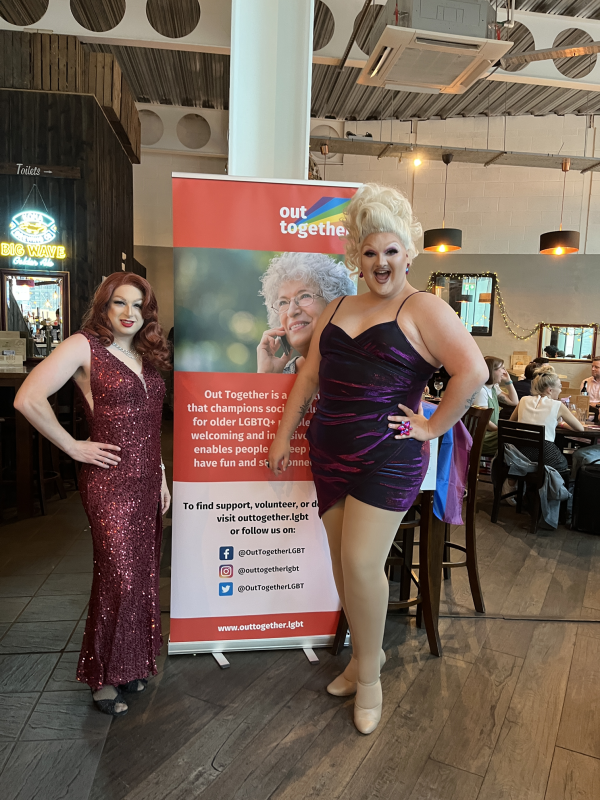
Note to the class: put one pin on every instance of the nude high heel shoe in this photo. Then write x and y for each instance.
(345, 684)
(367, 719)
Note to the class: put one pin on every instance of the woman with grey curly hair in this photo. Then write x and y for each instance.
(370, 356)
(297, 288)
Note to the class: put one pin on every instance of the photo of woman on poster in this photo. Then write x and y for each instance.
(297, 288)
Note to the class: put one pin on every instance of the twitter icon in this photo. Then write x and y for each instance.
(225, 589)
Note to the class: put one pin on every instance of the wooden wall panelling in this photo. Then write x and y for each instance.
(46, 83)
(95, 213)
(36, 61)
(58, 63)
(54, 62)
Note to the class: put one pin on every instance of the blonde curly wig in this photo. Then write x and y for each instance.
(379, 209)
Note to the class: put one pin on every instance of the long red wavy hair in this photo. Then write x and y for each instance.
(150, 340)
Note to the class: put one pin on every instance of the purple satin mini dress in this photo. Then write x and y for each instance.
(361, 382)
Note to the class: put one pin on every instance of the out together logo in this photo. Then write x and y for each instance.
(33, 231)
(321, 219)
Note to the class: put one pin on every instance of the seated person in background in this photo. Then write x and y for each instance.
(592, 384)
(523, 387)
(560, 353)
(544, 408)
(491, 396)
(551, 350)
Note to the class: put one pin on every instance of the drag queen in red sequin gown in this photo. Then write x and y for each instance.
(122, 485)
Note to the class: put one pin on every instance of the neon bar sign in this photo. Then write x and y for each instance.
(33, 230)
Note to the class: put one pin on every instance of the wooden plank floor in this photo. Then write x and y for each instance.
(509, 712)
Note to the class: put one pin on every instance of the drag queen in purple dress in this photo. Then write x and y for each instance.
(371, 355)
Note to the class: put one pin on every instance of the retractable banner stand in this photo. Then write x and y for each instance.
(250, 564)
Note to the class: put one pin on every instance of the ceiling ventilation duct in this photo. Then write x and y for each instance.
(432, 46)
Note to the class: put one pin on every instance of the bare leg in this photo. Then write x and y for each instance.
(367, 535)
(333, 520)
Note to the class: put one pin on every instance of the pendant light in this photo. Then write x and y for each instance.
(443, 240)
(559, 243)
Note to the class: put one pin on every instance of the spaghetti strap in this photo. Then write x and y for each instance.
(419, 291)
(336, 308)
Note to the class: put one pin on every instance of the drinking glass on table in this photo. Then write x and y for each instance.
(438, 385)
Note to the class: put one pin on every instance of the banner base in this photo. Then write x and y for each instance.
(289, 643)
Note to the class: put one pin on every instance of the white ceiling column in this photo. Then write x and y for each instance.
(270, 83)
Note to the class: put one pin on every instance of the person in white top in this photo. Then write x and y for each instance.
(592, 383)
(543, 407)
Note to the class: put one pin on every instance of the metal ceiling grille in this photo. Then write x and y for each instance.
(202, 79)
(173, 77)
(339, 96)
(97, 16)
(23, 12)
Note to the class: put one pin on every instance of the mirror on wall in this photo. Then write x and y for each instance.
(567, 342)
(36, 303)
(471, 296)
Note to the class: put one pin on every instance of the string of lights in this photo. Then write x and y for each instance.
(528, 333)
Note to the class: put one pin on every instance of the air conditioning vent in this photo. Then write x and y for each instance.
(413, 60)
(447, 43)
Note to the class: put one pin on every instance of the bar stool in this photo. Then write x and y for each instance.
(47, 469)
(47, 463)
(475, 421)
(401, 556)
(71, 416)
(8, 473)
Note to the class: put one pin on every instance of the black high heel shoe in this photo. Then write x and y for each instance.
(134, 687)
(109, 706)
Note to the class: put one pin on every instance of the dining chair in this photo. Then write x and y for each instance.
(519, 434)
(475, 421)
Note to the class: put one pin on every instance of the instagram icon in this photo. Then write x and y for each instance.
(226, 571)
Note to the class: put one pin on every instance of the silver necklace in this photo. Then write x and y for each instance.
(131, 353)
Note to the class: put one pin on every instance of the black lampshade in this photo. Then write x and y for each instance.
(442, 240)
(559, 243)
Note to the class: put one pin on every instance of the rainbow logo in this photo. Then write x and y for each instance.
(327, 209)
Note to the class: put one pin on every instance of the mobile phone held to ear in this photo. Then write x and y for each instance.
(286, 345)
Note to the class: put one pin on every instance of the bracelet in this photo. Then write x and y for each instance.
(162, 466)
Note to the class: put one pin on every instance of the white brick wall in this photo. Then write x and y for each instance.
(500, 209)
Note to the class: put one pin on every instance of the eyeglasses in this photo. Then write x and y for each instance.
(302, 300)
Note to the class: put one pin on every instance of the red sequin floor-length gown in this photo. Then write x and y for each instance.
(122, 635)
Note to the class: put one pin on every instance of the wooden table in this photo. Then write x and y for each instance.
(591, 432)
(14, 378)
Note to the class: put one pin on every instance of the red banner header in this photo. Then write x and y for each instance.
(248, 215)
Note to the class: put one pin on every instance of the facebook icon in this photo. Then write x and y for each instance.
(225, 589)
(225, 553)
